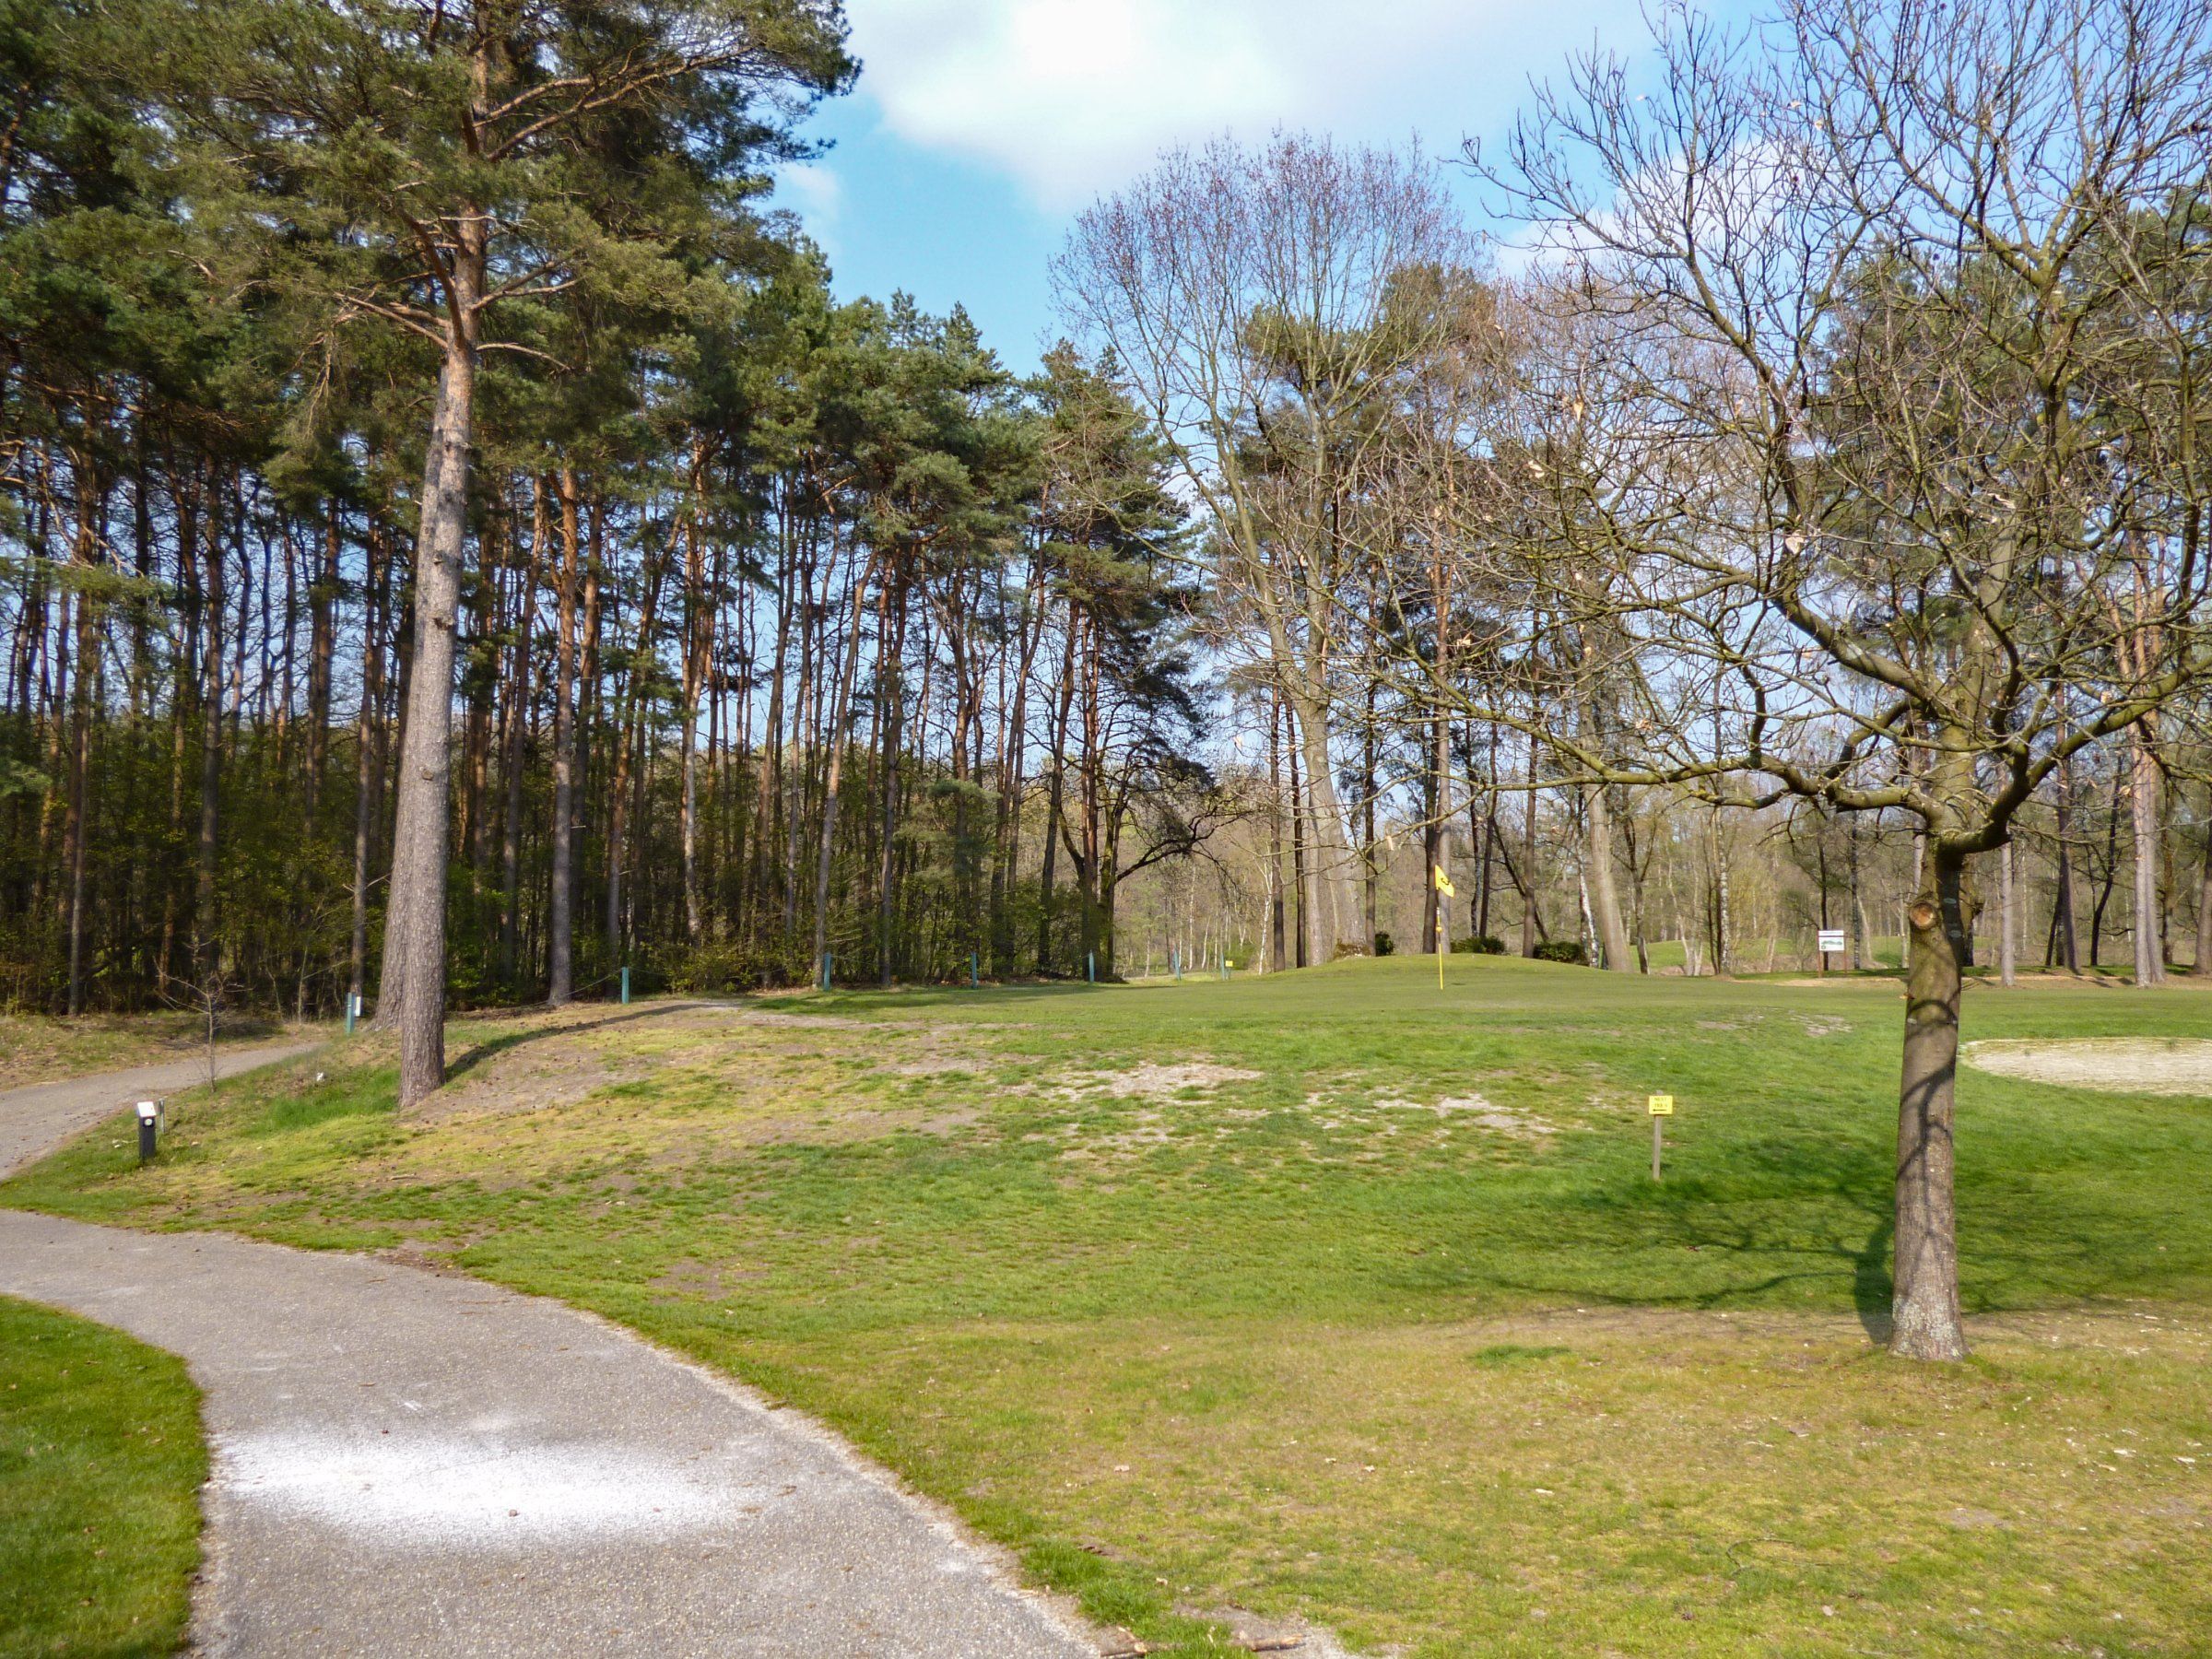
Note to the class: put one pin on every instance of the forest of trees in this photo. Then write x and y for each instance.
(778, 627)
(453, 544)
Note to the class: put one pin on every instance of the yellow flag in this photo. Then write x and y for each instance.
(1443, 884)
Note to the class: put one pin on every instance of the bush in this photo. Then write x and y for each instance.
(1348, 948)
(1563, 950)
(721, 969)
(1384, 944)
(1480, 945)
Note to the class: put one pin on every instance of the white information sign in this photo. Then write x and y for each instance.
(1831, 939)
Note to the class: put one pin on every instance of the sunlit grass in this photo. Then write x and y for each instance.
(1421, 1236)
(101, 1464)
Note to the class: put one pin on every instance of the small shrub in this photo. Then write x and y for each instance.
(1564, 950)
(721, 969)
(715, 969)
(1348, 948)
(1479, 944)
(1384, 944)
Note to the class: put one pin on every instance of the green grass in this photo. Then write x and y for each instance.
(1455, 1381)
(100, 1465)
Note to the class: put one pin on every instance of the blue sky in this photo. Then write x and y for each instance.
(981, 128)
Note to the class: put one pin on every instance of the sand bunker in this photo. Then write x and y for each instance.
(2171, 1065)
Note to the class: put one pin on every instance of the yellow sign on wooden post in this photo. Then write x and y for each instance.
(1660, 1107)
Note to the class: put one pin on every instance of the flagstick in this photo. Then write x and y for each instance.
(1444, 917)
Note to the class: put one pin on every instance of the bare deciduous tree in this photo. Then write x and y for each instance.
(1251, 300)
(1877, 432)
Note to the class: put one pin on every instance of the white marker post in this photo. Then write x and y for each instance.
(1661, 1107)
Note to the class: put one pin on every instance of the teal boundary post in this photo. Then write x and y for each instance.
(974, 981)
(1175, 960)
(625, 984)
(826, 956)
(1090, 966)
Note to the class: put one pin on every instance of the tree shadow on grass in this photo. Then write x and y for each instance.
(1871, 1286)
(491, 1046)
(1782, 1221)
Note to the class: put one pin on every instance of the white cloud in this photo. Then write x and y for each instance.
(1072, 96)
(814, 193)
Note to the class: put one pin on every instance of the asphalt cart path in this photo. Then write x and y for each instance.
(415, 1463)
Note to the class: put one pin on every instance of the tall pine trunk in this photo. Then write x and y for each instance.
(414, 974)
(833, 741)
(560, 905)
(206, 950)
(369, 763)
(518, 706)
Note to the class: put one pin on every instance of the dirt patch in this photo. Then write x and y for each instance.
(1146, 1081)
(1967, 1519)
(713, 1281)
(2171, 1065)
(529, 1077)
(931, 1066)
(1147, 1133)
(1479, 1110)
(1257, 1633)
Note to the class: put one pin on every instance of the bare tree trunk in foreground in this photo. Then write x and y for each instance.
(1924, 1309)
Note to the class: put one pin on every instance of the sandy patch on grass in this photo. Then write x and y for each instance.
(1148, 1132)
(2171, 1065)
(1148, 1081)
(931, 1066)
(1478, 1111)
